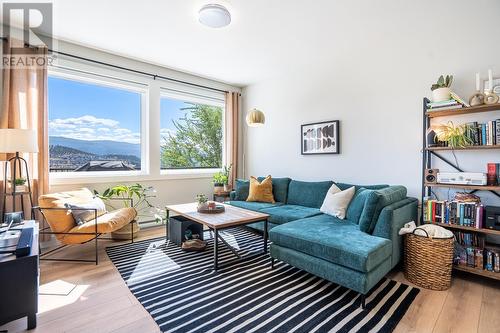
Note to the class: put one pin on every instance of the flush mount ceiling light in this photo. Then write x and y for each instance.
(214, 16)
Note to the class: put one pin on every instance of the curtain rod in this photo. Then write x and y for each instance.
(154, 76)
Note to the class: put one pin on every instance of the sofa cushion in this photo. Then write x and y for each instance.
(337, 201)
(287, 213)
(241, 190)
(357, 204)
(338, 241)
(255, 206)
(280, 188)
(366, 220)
(106, 223)
(261, 191)
(309, 194)
(387, 196)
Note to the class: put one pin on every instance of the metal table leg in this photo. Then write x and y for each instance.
(167, 220)
(216, 250)
(265, 235)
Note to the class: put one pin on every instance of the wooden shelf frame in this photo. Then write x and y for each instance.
(465, 228)
(462, 111)
(466, 187)
(430, 152)
(463, 148)
(477, 271)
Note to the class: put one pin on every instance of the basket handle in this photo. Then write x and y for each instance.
(418, 228)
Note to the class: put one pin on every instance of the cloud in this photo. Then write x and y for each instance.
(92, 128)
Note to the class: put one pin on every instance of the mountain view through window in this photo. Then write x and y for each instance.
(93, 127)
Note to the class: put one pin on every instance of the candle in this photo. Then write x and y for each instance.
(490, 79)
(478, 83)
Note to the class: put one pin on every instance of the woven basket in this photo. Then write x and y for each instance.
(428, 261)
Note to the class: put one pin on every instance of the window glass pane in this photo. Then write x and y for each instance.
(93, 127)
(191, 135)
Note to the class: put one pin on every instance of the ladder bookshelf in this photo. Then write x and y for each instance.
(436, 152)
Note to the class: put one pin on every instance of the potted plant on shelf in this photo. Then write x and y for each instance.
(221, 180)
(20, 185)
(441, 89)
(454, 136)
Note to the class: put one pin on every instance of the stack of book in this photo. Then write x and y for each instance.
(487, 134)
(454, 103)
(472, 251)
(467, 214)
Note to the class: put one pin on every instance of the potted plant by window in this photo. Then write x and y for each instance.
(20, 185)
(221, 180)
(441, 89)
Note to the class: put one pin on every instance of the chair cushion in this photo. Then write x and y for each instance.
(261, 191)
(62, 220)
(287, 213)
(106, 223)
(338, 241)
(85, 212)
(255, 206)
(280, 188)
(309, 194)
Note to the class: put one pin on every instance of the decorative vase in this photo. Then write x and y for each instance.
(441, 94)
(20, 188)
(202, 205)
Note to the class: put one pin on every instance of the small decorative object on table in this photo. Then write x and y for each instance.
(211, 208)
(201, 200)
(441, 90)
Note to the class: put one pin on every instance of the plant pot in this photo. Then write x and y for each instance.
(125, 232)
(218, 188)
(441, 94)
(20, 188)
(203, 205)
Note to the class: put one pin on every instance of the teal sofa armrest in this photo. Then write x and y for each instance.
(232, 195)
(391, 219)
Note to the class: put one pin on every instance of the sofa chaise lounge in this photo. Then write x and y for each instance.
(356, 252)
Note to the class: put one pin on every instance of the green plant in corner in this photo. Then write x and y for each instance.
(443, 82)
(222, 177)
(455, 136)
(140, 196)
(19, 181)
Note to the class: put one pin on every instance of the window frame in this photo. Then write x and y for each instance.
(112, 82)
(199, 96)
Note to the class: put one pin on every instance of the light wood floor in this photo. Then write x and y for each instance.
(101, 302)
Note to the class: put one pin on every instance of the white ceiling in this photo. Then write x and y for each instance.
(265, 37)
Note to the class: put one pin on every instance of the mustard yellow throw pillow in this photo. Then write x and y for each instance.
(261, 191)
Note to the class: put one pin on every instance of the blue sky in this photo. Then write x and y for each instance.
(91, 112)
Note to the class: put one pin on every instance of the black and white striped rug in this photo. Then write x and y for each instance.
(183, 294)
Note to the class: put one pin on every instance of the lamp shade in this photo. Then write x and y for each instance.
(255, 118)
(18, 140)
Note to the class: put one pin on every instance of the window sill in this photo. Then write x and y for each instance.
(117, 177)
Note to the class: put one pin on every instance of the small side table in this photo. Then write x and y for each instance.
(221, 196)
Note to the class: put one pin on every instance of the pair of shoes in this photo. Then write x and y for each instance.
(194, 245)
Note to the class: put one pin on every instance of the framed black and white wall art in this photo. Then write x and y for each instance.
(320, 138)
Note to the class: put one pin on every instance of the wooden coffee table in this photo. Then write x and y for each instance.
(232, 217)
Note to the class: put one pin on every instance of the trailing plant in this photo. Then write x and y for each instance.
(443, 82)
(455, 136)
(140, 196)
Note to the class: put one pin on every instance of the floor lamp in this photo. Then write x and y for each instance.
(254, 118)
(16, 141)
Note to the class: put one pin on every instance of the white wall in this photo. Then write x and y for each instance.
(171, 189)
(376, 64)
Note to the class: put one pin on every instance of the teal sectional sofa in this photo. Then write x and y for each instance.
(355, 252)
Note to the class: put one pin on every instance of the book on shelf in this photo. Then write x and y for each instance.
(493, 173)
(487, 134)
(467, 214)
(471, 250)
(455, 102)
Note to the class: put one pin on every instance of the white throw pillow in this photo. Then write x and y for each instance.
(337, 201)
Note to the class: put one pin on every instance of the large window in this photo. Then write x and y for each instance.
(191, 133)
(93, 125)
